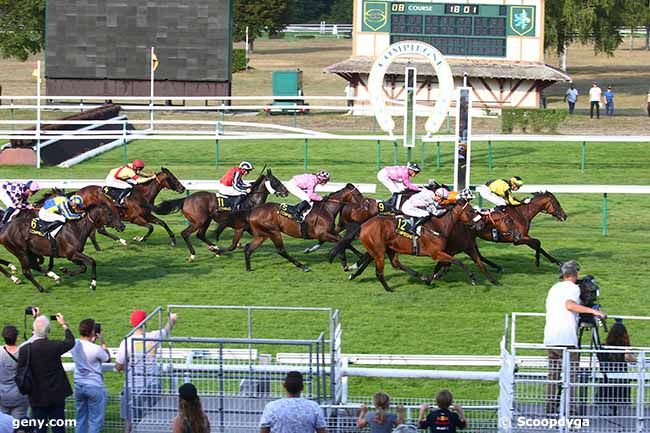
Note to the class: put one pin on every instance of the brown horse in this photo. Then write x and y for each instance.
(378, 235)
(266, 222)
(202, 207)
(70, 241)
(523, 215)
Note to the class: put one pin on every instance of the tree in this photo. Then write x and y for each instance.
(340, 12)
(259, 16)
(22, 28)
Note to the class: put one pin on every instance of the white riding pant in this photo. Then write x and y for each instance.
(391, 185)
(50, 216)
(297, 191)
(410, 210)
(4, 198)
(229, 190)
(490, 196)
(116, 183)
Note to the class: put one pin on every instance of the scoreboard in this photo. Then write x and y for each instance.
(455, 29)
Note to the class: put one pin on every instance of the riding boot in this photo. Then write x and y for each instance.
(50, 227)
(300, 209)
(392, 201)
(237, 203)
(417, 223)
(122, 196)
(5, 219)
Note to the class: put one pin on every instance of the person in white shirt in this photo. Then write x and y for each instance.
(139, 356)
(561, 329)
(89, 387)
(595, 97)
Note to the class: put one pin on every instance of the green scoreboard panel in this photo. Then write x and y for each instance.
(454, 29)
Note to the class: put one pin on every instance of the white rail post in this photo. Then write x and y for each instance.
(152, 69)
(38, 114)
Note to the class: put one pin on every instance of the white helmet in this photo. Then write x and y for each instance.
(442, 193)
(413, 166)
(245, 165)
(323, 175)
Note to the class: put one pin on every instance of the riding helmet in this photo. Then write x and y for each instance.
(138, 163)
(442, 193)
(413, 166)
(32, 186)
(76, 201)
(516, 180)
(245, 165)
(323, 175)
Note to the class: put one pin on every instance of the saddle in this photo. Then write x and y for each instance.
(115, 193)
(227, 203)
(291, 212)
(41, 228)
(403, 227)
(386, 208)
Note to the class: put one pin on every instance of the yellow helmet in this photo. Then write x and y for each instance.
(516, 180)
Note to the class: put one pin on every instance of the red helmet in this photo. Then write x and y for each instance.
(138, 163)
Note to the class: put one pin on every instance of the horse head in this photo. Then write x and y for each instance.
(551, 205)
(167, 179)
(274, 185)
(467, 215)
(102, 215)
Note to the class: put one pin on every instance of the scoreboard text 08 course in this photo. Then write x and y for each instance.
(454, 29)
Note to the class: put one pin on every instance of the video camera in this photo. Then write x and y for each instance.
(589, 294)
(29, 311)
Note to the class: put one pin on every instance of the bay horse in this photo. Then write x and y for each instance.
(266, 223)
(378, 235)
(201, 208)
(70, 240)
(523, 215)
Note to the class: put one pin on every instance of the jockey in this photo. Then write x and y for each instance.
(15, 196)
(125, 176)
(233, 184)
(58, 210)
(424, 204)
(303, 186)
(499, 191)
(398, 179)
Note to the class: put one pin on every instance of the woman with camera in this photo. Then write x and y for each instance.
(89, 387)
(12, 402)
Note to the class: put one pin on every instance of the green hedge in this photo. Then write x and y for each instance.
(531, 120)
(238, 59)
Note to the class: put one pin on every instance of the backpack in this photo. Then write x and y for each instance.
(24, 374)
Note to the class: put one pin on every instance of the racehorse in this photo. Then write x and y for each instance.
(379, 236)
(202, 207)
(523, 214)
(70, 241)
(266, 222)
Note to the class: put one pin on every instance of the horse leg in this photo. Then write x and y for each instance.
(490, 262)
(446, 258)
(7, 273)
(360, 266)
(201, 234)
(26, 266)
(474, 254)
(236, 237)
(146, 235)
(93, 240)
(83, 260)
(394, 261)
(155, 220)
(276, 238)
(250, 248)
(314, 247)
(102, 231)
(35, 264)
(219, 231)
(379, 272)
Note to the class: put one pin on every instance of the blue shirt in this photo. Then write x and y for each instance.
(609, 96)
(572, 95)
(60, 205)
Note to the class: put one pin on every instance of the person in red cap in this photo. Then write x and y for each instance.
(142, 355)
(125, 176)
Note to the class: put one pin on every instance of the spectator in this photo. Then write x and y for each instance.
(595, 97)
(144, 371)
(609, 101)
(12, 402)
(190, 418)
(648, 103)
(89, 388)
(349, 94)
(560, 331)
(380, 421)
(615, 363)
(293, 414)
(50, 385)
(571, 97)
(442, 419)
(6, 423)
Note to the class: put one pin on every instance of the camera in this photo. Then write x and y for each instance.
(98, 328)
(589, 291)
(29, 311)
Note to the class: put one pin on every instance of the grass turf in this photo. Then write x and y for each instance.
(451, 317)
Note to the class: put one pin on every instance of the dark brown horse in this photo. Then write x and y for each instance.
(378, 235)
(266, 223)
(202, 207)
(70, 241)
(523, 215)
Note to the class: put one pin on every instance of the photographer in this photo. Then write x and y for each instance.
(560, 332)
(89, 387)
(50, 385)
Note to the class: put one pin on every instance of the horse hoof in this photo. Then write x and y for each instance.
(63, 269)
(473, 282)
(13, 268)
(93, 284)
(306, 268)
(139, 238)
(388, 289)
(15, 279)
(351, 277)
(191, 258)
(41, 289)
(122, 241)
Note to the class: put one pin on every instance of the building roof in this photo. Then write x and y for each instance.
(486, 69)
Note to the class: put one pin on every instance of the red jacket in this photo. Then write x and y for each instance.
(233, 178)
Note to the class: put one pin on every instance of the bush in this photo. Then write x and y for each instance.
(531, 119)
(238, 59)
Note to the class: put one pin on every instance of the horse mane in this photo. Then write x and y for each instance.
(258, 181)
(538, 194)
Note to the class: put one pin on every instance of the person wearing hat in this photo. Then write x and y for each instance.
(571, 97)
(609, 101)
(560, 331)
(142, 362)
(397, 179)
(190, 418)
(15, 197)
(595, 98)
(499, 191)
(293, 414)
(424, 204)
(125, 177)
(232, 184)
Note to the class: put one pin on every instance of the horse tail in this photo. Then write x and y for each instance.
(351, 232)
(169, 206)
